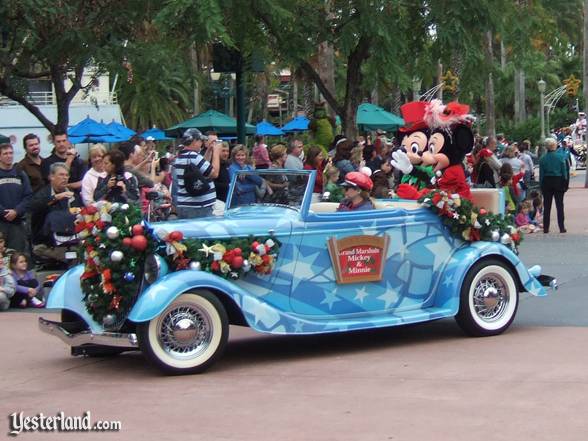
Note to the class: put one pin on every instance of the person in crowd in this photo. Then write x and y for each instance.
(278, 184)
(357, 193)
(245, 184)
(27, 286)
(483, 171)
(260, 153)
(188, 204)
(293, 160)
(331, 186)
(94, 173)
(52, 214)
(334, 144)
(6, 252)
(15, 195)
(523, 219)
(537, 212)
(315, 160)
(554, 180)
(381, 179)
(342, 159)
(223, 180)
(65, 152)
(489, 142)
(134, 161)
(510, 155)
(371, 157)
(31, 163)
(527, 160)
(501, 144)
(506, 183)
(7, 285)
(117, 185)
(357, 157)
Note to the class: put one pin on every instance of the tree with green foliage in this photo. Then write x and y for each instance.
(61, 40)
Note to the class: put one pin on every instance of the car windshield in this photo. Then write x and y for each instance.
(269, 187)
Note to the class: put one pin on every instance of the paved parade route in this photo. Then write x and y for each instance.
(426, 382)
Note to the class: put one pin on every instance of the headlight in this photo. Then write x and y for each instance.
(155, 267)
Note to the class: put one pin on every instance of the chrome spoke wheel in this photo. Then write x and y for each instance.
(488, 300)
(184, 330)
(188, 336)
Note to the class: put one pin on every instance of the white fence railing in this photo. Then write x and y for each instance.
(48, 99)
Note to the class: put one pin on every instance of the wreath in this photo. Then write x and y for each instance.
(471, 223)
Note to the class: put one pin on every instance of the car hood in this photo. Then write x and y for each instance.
(239, 222)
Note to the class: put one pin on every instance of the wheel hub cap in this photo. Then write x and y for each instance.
(490, 298)
(185, 331)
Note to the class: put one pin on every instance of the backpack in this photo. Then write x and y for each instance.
(195, 183)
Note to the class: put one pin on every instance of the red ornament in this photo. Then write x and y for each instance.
(100, 225)
(237, 262)
(91, 210)
(267, 249)
(516, 237)
(265, 259)
(228, 257)
(215, 266)
(237, 251)
(80, 227)
(137, 230)
(483, 212)
(127, 242)
(139, 242)
(254, 245)
(175, 236)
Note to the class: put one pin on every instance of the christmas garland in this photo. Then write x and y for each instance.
(114, 245)
(471, 223)
(229, 258)
(116, 242)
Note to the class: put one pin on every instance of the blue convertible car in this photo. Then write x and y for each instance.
(333, 272)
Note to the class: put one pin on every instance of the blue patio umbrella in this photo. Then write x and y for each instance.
(88, 127)
(121, 131)
(156, 134)
(267, 129)
(298, 124)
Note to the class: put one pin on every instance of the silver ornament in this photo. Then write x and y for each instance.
(112, 232)
(117, 256)
(505, 239)
(233, 275)
(495, 236)
(246, 265)
(195, 266)
(109, 320)
(124, 207)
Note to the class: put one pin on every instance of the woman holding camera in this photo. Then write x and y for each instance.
(118, 185)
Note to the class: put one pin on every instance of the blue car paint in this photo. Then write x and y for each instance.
(425, 268)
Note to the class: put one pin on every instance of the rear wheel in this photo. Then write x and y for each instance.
(489, 299)
(188, 336)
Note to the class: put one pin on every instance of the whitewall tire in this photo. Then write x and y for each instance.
(188, 336)
(489, 299)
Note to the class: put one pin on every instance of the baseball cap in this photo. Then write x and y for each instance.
(193, 135)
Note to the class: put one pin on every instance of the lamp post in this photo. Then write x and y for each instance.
(222, 88)
(541, 85)
(416, 88)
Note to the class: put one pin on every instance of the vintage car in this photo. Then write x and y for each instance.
(334, 272)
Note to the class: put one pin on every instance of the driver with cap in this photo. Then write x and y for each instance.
(357, 193)
(190, 205)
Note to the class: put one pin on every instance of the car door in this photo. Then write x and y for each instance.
(417, 248)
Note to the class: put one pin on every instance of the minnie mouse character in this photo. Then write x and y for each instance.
(451, 140)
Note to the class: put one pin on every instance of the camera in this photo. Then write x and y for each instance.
(119, 177)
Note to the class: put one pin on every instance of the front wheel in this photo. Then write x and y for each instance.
(489, 299)
(188, 336)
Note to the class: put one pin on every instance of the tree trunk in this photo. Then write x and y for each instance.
(457, 65)
(439, 80)
(308, 97)
(396, 99)
(502, 56)
(490, 110)
(522, 96)
(517, 106)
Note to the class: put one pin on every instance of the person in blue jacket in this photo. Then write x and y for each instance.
(245, 185)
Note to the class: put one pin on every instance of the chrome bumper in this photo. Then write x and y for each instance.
(112, 339)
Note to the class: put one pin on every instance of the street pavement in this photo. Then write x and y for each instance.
(425, 382)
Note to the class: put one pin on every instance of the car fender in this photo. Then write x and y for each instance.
(67, 294)
(462, 261)
(164, 291)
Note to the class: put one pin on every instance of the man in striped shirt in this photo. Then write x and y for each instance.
(187, 205)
